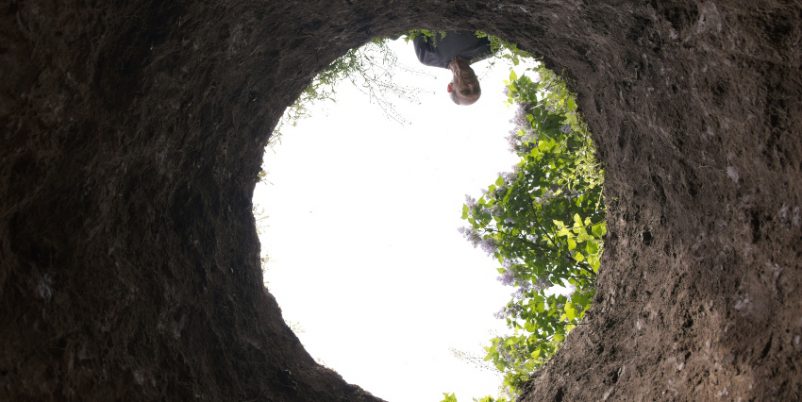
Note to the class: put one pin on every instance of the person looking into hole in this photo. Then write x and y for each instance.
(455, 51)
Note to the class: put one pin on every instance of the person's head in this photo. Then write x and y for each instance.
(464, 88)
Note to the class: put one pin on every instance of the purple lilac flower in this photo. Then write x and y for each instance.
(514, 142)
(471, 235)
(501, 314)
(507, 278)
(470, 201)
(488, 245)
(542, 284)
(529, 137)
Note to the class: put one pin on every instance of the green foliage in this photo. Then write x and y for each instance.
(504, 49)
(491, 399)
(453, 398)
(449, 397)
(433, 35)
(544, 222)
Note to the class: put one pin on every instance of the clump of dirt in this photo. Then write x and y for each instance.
(133, 134)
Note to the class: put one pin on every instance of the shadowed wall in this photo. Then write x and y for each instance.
(133, 133)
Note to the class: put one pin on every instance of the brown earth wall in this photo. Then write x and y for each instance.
(132, 134)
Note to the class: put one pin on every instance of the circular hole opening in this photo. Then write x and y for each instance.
(358, 212)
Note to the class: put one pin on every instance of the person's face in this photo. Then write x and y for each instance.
(465, 83)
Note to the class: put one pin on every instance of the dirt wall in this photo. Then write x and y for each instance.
(133, 133)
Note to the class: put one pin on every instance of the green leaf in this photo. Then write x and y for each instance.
(530, 326)
(570, 311)
(449, 397)
(599, 229)
(591, 247)
(579, 257)
(577, 221)
(594, 262)
(571, 243)
(540, 305)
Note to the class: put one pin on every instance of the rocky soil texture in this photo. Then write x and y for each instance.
(132, 134)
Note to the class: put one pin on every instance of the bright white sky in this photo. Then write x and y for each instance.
(361, 232)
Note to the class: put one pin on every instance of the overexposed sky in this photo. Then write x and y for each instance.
(360, 226)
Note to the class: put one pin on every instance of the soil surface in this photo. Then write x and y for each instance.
(133, 132)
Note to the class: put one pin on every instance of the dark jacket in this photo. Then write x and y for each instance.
(455, 44)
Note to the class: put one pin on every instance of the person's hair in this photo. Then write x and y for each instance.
(458, 98)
